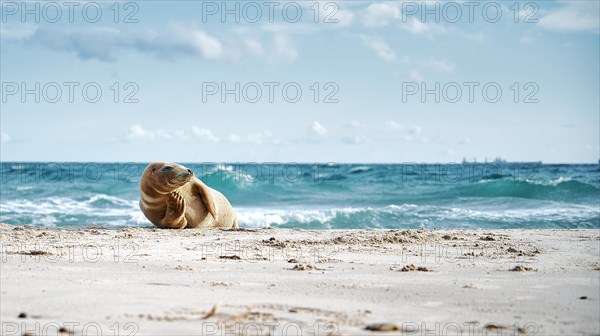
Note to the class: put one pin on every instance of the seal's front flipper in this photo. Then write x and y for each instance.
(204, 191)
(175, 214)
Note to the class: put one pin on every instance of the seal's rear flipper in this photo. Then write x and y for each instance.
(207, 198)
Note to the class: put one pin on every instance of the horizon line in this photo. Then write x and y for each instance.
(309, 162)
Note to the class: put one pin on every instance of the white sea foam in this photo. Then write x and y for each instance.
(61, 211)
(360, 169)
(114, 211)
(412, 214)
(552, 182)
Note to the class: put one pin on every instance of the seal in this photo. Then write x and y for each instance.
(173, 198)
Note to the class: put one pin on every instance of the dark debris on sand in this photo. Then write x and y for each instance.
(521, 268)
(382, 327)
(410, 268)
(301, 267)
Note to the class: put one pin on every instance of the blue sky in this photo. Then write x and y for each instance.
(169, 54)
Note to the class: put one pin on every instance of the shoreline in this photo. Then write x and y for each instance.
(147, 281)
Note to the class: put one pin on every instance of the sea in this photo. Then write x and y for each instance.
(465, 195)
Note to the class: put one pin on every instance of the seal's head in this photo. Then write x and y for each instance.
(165, 177)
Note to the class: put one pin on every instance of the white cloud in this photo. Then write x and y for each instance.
(331, 15)
(441, 65)
(259, 137)
(464, 141)
(204, 44)
(414, 130)
(415, 75)
(204, 134)
(178, 40)
(234, 138)
(477, 37)
(137, 132)
(354, 140)
(106, 43)
(393, 126)
(4, 138)
(528, 14)
(17, 31)
(101, 43)
(406, 132)
(573, 16)
(254, 47)
(284, 50)
(380, 14)
(160, 133)
(282, 28)
(344, 18)
(357, 133)
(418, 27)
(180, 134)
(253, 138)
(381, 48)
(356, 125)
(317, 131)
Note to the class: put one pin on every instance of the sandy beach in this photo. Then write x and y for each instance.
(144, 281)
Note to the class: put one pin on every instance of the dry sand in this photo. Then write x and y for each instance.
(142, 281)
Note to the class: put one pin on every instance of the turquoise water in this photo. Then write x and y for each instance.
(319, 196)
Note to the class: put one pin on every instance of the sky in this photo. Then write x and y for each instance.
(304, 81)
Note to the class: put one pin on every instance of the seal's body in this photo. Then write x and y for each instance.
(173, 198)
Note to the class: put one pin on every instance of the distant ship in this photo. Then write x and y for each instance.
(500, 160)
